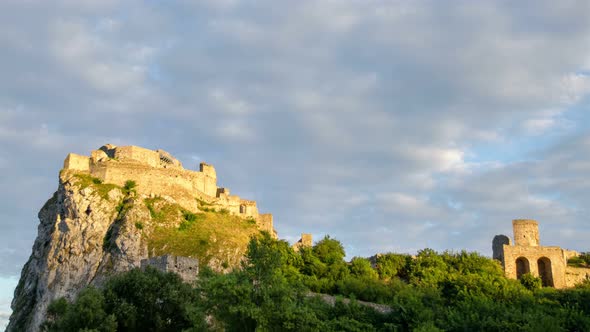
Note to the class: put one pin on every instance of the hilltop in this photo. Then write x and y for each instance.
(121, 205)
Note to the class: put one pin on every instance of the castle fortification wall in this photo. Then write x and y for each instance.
(576, 275)
(77, 162)
(159, 173)
(265, 223)
(145, 156)
(532, 257)
(187, 268)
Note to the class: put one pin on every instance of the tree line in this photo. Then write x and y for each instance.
(273, 291)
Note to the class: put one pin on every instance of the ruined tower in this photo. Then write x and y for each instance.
(526, 255)
(304, 242)
(526, 232)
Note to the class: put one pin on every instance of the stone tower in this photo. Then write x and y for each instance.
(498, 246)
(527, 256)
(526, 232)
(304, 242)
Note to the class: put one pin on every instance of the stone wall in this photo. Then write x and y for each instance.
(187, 268)
(498, 246)
(526, 256)
(526, 232)
(576, 275)
(533, 257)
(77, 162)
(159, 173)
(265, 223)
(145, 156)
(208, 170)
(304, 241)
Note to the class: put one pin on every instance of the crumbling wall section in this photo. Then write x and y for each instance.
(265, 223)
(576, 275)
(176, 183)
(136, 153)
(532, 254)
(187, 268)
(159, 173)
(306, 241)
(77, 162)
(498, 247)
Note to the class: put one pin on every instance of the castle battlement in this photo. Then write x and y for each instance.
(157, 172)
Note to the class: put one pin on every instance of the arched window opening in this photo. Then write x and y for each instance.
(522, 267)
(545, 272)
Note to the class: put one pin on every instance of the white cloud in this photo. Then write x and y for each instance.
(362, 119)
(103, 65)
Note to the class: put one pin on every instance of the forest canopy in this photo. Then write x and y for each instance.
(277, 289)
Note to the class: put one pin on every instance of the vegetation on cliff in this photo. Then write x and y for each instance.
(216, 238)
(271, 292)
(213, 236)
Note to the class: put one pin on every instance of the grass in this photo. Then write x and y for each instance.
(162, 211)
(203, 235)
(102, 189)
(201, 202)
(580, 261)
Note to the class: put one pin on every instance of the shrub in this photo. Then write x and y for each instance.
(129, 187)
(530, 282)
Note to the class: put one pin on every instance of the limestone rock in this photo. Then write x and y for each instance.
(73, 249)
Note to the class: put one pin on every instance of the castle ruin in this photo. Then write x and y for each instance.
(187, 268)
(158, 173)
(304, 242)
(526, 255)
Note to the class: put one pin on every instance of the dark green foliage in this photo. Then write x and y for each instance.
(432, 291)
(87, 313)
(530, 282)
(189, 219)
(129, 185)
(134, 301)
(392, 265)
(580, 261)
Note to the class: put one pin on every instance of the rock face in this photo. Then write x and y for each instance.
(91, 229)
(69, 252)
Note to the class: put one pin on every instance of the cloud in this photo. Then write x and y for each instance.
(390, 125)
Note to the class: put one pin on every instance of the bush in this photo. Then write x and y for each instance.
(530, 282)
(129, 186)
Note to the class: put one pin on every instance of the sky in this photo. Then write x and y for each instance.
(389, 125)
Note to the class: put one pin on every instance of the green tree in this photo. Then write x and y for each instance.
(86, 313)
(361, 268)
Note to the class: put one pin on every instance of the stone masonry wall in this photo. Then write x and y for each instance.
(532, 255)
(159, 173)
(77, 162)
(576, 275)
(187, 268)
(145, 156)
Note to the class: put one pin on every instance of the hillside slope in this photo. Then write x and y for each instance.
(90, 230)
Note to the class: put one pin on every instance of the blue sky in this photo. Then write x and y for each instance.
(390, 125)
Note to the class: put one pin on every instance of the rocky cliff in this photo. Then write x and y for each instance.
(90, 230)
